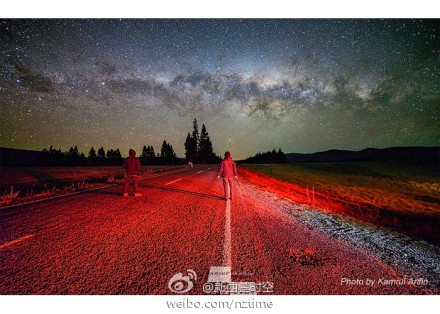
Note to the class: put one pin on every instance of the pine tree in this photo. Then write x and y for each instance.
(118, 154)
(72, 156)
(101, 153)
(92, 156)
(187, 145)
(205, 151)
(163, 149)
(268, 157)
(82, 159)
(198, 147)
(55, 157)
(281, 157)
(148, 156)
(195, 136)
(170, 152)
(92, 153)
(150, 151)
(101, 156)
(167, 153)
(144, 152)
(110, 153)
(192, 143)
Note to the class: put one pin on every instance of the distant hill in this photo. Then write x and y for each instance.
(18, 157)
(392, 154)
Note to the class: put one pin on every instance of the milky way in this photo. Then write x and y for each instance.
(301, 85)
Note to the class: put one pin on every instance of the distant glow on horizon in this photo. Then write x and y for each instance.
(299, 84)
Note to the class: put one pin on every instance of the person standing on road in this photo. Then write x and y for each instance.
(228, 171)
(132, 167)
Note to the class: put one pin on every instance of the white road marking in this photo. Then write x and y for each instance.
(173, 181)
(227, 248)
(209, 168)
(200, 171)
(16, 241)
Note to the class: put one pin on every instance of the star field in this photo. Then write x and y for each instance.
(300, 84)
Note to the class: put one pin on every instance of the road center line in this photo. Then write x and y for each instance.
(227, 247)
(200, 171)
(173, 181)
(2, 246)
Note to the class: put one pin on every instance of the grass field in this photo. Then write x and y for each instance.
(401, 196)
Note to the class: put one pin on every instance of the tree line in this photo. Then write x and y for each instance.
(198, 149)
(111, 157)
(72, 157)
(165, 157)
(269, 157)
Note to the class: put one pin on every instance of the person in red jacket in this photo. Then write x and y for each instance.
(132, 167)
(228, 171)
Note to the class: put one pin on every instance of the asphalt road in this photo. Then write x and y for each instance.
(102, 243)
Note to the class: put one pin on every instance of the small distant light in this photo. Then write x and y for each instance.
(17, 80)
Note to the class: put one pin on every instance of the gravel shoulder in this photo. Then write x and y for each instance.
(408, 266)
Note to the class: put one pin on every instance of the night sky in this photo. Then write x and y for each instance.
(299, 84)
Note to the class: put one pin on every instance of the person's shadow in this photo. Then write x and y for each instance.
(107, 192)
(163, 188)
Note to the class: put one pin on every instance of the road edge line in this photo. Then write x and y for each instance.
(85, 191)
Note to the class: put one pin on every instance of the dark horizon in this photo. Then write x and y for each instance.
(125, 154)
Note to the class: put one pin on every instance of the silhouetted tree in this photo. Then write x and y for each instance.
(144, 152)
(150, 152)
(205, 152)
(192, 142)
(148, 155)
(113, 157)
(281, 157)
(53, 157)
(82, 160)
(270, 157)
(101, 156)
(92, 156)
(198, 147)
(188, 146)
(109, 154)
(195, 136)
(72, 157)
(118, 154)
(167, 153)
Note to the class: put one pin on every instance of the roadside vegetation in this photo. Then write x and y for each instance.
(402, 196)
(23, 184)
